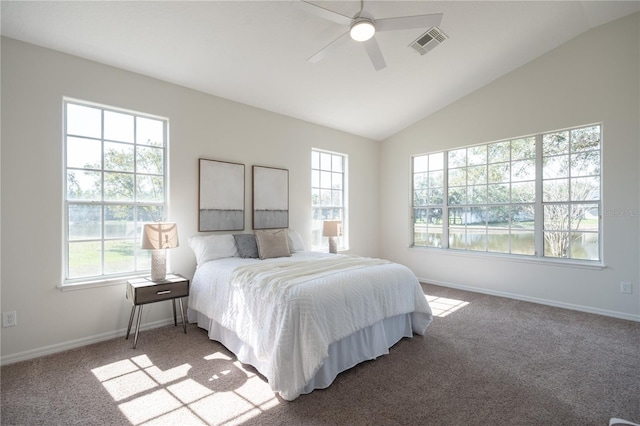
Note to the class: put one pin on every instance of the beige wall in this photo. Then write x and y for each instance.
(592, 78)
(34, 81)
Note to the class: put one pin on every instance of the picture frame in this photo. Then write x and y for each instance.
(270, 198)
(221, 196)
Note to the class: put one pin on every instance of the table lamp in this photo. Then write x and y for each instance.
(332, 229)
(158, 237)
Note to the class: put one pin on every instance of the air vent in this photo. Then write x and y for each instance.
(427, 41)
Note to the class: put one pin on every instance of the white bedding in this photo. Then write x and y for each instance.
(290, 315)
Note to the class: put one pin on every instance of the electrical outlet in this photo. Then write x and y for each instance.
(9, 319)
(625, 287)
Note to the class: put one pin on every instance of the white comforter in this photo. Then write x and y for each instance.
(290, 315)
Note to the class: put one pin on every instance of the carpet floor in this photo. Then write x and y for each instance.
(485, 360)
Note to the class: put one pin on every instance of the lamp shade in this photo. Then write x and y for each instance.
(332, 228)
(160, 235)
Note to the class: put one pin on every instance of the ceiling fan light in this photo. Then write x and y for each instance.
(362, 30)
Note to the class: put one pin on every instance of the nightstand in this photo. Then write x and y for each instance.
(143, 290)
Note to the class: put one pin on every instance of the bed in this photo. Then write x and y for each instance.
(300, 317)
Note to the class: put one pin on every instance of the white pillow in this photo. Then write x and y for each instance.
(211, 247)
(295, 241)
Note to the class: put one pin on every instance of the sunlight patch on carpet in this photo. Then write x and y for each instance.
(147, 394)
(443, 306)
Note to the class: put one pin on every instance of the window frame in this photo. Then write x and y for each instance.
(538, 203)
(141, 261)
(316, 231)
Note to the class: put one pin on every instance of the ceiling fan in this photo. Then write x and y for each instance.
(362, 28)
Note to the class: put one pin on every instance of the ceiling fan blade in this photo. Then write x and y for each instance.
(324, 13)
(408, 22)
(375, 54)
(329, 48)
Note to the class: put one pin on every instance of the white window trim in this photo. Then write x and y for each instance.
(66, 284)
(344, 241)
(549, 261)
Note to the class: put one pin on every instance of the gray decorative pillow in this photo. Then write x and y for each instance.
(247, 247)
(272, 243)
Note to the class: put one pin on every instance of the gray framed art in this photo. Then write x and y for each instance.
(221, 197)
(270, 198)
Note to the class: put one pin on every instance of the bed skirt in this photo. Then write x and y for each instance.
(363, 345)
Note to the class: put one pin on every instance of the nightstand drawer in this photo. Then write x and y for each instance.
(159, 292)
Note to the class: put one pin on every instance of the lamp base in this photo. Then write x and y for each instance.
(158, 265)
(333, 247)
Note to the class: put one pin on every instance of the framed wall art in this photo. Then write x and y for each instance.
(270, 198)
(221, 197)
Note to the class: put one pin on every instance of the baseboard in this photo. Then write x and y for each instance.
(72, 344)
(554, 303)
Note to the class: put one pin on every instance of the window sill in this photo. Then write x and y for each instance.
(105, 282)
(513, 258)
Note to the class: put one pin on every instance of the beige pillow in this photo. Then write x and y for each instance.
(272, 243)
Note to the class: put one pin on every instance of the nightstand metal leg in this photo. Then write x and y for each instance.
(135, 340)
(133, 312)
(175, 319)
(184, 323)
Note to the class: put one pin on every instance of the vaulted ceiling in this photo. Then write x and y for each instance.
(256, 52)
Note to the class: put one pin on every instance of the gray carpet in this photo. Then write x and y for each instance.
(493, 361)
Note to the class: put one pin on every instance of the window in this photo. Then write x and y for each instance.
(115, 163)
(428, 196)
(571, 193)
(535, 196)
(328, 187)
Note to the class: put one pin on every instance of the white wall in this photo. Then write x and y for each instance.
(590, 79)
(593, 78)
(34, 81)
